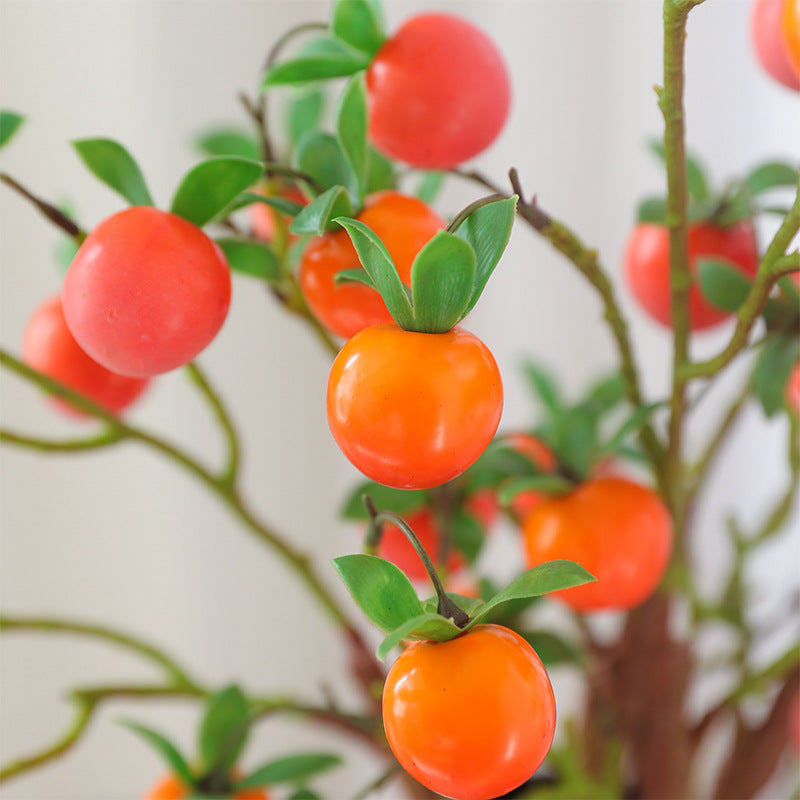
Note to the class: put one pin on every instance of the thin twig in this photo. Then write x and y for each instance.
(55, 215)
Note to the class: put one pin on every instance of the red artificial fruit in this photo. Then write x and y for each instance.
(618, 530)
(404, 224)
(793, 389)
(790, 24)
(770, 33)
(647, 266)
(470, 718)
(146, 292)
(543, 458)
(268, 222)
(413, 410)
(438, 92)
(49, 347)
(170, 788)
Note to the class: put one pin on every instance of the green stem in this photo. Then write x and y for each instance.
(230, 473)
(105, 439)
(273, 168)
(176, 674)
(296, 303)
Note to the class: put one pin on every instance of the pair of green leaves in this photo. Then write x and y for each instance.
(222, 737)
(448, 274)
(740, 201)
(386, 596)
(356, 33)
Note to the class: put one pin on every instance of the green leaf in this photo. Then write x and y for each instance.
(770, 176)
(698, 185)
(424, 626)
(9, 125)
(357, 24)
(775, 363)
(319, 215)
(548, 484)
(252, 258)
(382, 590)
(652, 209)
(288, 769)
(212, 185)
(304, 793)
(228, 142)
(552, 649)
(605, 395)
(552, 576)
(304, 114)
(224, 730)
(630, 427)
(468, 535)
(429, 186)
(114, 165)
(722, 283)
(319, 155)
(351, 129)
(171, 755)
(314, 68)
(576, 439)
(288, 207)
(385, 498)
(544, 387)
(381, 173)
(378, 263)
(358, 275)
(442, 278)
(487, 230)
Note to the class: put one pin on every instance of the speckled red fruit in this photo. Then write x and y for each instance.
(146, 292)
(647, 266)
(438, 92)
(48, 346)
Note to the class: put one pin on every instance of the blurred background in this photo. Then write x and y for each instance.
(123, 538)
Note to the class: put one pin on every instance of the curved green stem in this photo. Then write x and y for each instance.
(296, 303)
(230, 473)
(105, 439)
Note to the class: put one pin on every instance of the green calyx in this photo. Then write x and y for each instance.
(742, 199)
(447, 275)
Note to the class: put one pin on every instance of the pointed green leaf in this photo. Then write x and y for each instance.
(723, 283)
(386, 498)
(318, 216)
(171, 755)
(425, 626)
(442, 279)
(356, 23)
(319, 155)
(430, 185)
(630, 427)
(770, 176)
(382, 591)
(652, 209)
(9, 125)
(353, 276)
(778, 357)
(314, 68)
(351, 129)
(212, 185)
(304, 114)
(288, 769)
(544, 387)
(304, 793)
(381, 173)
(288, 207)
(605, 395)
(114, 165)
(552, 576)
(553, 649)
(487, 230)
(252, 258)
(695, 174)
(548, 484)
(378, 263)
(228, 142)
(224, 730)
(468, 535)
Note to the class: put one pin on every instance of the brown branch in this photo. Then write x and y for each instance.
(55, 215)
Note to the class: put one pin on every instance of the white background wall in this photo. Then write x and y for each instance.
(123, 537)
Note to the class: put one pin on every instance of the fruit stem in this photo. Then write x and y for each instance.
(446, 607)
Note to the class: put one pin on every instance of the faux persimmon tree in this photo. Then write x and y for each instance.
(326, 203)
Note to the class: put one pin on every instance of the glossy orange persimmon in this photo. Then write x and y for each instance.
(48, 346)
(413, 410)
(404, 224)
(146, 292)
(170, 788)
(542, 457)
(395, 547)
(618, 530)
(471, 718)
(790, 24)
(771, 34)
(647, 266)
